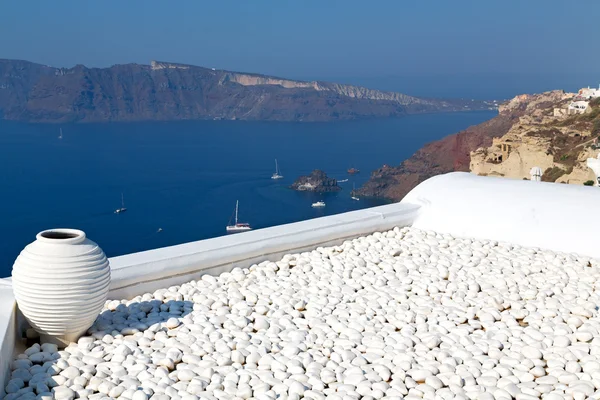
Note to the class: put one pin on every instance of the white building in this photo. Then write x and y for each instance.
(578, 107)
(588, 93)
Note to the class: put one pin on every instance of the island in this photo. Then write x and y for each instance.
(164, 91)
(317, 181)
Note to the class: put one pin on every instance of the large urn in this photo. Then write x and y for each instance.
(61, 282)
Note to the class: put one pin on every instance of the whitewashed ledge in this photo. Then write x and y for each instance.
(551, 216)
(147, 271)
(8, 331)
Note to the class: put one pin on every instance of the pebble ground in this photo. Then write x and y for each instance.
(403, 314)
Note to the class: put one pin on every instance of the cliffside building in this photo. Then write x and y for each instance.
(588, 93)
(504, 146)
(578, 107)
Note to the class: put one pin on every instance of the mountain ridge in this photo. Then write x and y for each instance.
(164, 91)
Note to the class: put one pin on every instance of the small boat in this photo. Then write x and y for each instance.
(353, 197)
(318, 204)
(342, 180)
(122, 209)
(277, 174)
(237, 226)
(353, 171)
(159, 230)
(60, 136)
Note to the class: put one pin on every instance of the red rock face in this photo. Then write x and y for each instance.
(449, 154)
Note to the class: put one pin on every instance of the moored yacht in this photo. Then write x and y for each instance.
(122, 209)
(238, 226)
(277, 174)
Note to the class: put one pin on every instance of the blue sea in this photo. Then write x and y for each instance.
(183, 178)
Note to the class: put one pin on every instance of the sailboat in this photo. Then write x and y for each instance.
(353, 193)
(277, 174)
(122, 209)
(60, 136)
(238, 226)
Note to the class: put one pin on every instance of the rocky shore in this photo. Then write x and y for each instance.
(396, 314)
(317, 182)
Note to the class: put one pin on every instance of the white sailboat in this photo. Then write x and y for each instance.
(353, 194)
(60, 136)
(318, 204)
(122, 209)
(277, 174)
(238, 226)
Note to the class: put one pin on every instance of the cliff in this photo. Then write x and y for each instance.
(317, 181)
(529, 130)
(452, 153)
(168, 91)
(549, 136)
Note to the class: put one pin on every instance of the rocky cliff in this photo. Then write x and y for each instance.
(452, 153)
(169, 91)
(547, 136)
(317, 181)
(529, 130)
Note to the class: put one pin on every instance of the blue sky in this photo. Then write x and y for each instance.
(414, 43)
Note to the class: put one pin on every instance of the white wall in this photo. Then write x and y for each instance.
(147, 271)
(8, 331)
(547, 215)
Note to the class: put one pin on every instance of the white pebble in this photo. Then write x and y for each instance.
(173, 323)
(397, 314)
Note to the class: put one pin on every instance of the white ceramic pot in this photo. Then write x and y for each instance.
(61, 282)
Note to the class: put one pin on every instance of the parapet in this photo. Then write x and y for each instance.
(539, 214)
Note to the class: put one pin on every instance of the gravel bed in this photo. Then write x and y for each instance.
(403, 314)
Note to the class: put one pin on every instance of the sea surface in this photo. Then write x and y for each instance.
(183, 178)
